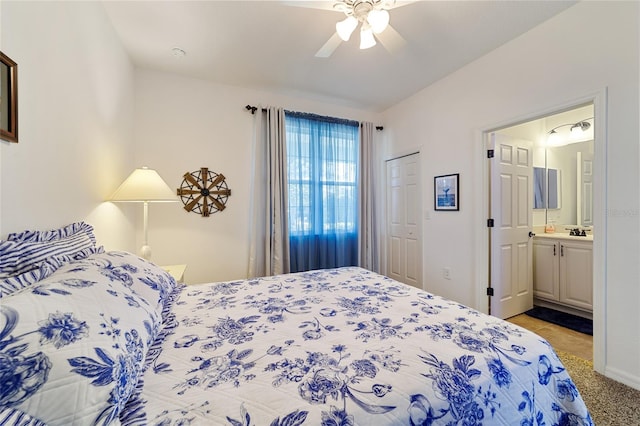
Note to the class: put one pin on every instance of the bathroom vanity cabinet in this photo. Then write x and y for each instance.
(563, 270)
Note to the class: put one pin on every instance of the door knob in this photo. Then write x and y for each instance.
(531, 234)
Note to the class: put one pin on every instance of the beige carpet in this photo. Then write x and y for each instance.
(610, 402)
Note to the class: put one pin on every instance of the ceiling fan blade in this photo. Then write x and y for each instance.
(328, 48)
(322, 5)
(391, 39)
(400, 3)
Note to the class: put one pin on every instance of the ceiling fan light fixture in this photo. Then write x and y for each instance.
(379, 20)
(366, 37)
(345, 28)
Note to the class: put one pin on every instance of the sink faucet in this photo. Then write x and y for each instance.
(576, 232)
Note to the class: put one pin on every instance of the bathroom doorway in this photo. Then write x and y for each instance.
(556, 207)
(558, 150)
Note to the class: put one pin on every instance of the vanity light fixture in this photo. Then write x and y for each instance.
(553, 139)
(579, 128)
(576, 131)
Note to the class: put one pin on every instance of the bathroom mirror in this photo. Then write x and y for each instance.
(569, 184)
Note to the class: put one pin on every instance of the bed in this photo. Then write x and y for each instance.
(94, 337)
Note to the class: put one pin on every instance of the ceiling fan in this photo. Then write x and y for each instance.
(373, 18)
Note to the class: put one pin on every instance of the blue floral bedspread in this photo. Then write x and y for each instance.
(345, 347)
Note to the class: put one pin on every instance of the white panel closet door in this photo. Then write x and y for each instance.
(404, 226)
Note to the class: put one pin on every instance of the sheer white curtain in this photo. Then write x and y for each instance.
(269, 228)
(367, 224)
(323, 192)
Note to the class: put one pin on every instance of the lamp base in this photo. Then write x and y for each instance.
(145, 252)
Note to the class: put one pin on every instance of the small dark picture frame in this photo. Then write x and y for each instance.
(446, 190)
(8, 99)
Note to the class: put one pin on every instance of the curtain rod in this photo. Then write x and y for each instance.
(253, 110)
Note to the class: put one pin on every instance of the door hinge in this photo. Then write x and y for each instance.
(490, 223)
(490, 153)
(489, 291)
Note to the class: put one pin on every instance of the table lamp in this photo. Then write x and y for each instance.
(144, 186)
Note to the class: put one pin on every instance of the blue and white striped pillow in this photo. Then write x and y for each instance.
(54, 234)
(26, 251)
(18, 282)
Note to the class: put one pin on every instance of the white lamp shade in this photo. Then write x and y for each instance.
(345, 28)
(366, 38)
(379, 20)
(144, 185)
(554, 139)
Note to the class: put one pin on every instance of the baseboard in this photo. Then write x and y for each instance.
(562, 308)
(622, 377)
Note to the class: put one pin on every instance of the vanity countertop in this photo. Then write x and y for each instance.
(563, 236)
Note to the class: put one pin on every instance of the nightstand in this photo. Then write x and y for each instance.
(176, 271)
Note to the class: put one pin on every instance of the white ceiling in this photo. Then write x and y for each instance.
(270, 45)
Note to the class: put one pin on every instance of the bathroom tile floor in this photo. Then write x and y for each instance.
(561, 338)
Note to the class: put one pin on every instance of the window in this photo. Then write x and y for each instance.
(322, 163)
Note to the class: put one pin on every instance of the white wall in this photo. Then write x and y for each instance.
(87, 119)
(591, 47)
(75, 88)
(184, 124)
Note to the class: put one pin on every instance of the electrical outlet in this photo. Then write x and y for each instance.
(446, 273)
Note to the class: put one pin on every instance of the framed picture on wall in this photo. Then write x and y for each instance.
(446, 189)
(8, 99)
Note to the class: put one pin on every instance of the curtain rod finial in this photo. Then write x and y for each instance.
(379, 128)
(251, 108)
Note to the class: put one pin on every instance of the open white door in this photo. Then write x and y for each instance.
(511, 210)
